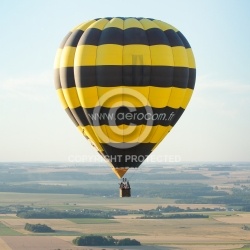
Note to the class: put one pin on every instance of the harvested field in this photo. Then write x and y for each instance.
(54, 243)
(64, 243)
(4, 245)
(37, 242)
(176, 232)
(235, 219)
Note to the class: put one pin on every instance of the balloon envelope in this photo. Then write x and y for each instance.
(124, 82)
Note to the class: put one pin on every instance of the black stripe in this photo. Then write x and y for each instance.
(85, 76)
(162, 76)
(135, 36)
(113, 35)
(177, 116)
(109, 75)
(121, 156)
(149, 116)
(67, 77)
(184, 40)
(180, 77)
(105, 76)
(90, 37)
(80, 116)
(156, 36)
(191, 79)
(134, 75)
(74, 38)
(173, 38)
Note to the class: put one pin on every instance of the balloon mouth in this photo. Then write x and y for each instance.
(120, 172)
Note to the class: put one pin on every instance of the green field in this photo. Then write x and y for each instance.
(6, 231)
(92, 221)
(243, 248)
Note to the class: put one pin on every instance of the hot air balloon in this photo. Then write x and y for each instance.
(124, 82)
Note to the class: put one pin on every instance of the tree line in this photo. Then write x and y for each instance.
(96, 240)
(175, 216)
(57, 214)
(38, 228)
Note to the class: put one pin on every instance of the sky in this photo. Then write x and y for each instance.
(214, 127)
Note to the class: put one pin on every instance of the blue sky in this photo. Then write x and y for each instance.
(215, 126)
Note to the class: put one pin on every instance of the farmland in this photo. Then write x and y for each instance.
(28, 186)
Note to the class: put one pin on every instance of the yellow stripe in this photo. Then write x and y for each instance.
(100, 24)
(114, 54)
(159, 97)
(109, 134)
(115, 23)
(67, 57)
(71, 97)
(180, 56)
(148, 24)
(132, 23)
(123, 55)
(88, 97)
(109, 96)
(62, 98)
(136, 54)
(57, 59)
(130, 134)
(109, 54)
(135, 96)
(191, 60)
(154, 134)
(164, 26)
(161, 55)
(113, 96)
(176, 97)
(187, 98)
(85, 55)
